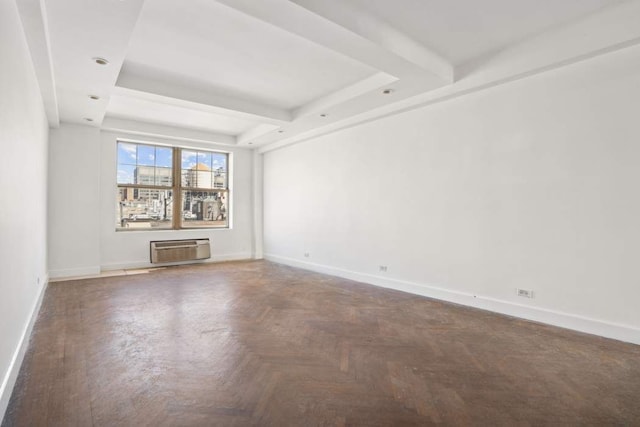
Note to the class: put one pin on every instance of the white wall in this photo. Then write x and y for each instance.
(532, 184)
(126, 249)
(82, 191)
(74, 201)
(23, 210)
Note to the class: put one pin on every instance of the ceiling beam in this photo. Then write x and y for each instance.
(386, 50)
(153, 87)
(81, 30)
(362, 87)
(33, 14)
(381, 33)
(134, 127)
(255, 132)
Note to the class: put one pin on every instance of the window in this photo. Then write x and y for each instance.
(171, 188)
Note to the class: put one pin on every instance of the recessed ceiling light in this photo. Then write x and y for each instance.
(94, 97)
(88, 119)
(100, 61)
(387, 91)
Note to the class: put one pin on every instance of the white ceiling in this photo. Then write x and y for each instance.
(223, 50)
(271, 72)
(463, 30)
(129, 107)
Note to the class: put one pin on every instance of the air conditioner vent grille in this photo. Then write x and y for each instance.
(165, 251)
(174, 243)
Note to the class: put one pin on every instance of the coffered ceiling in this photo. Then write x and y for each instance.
(273, 72)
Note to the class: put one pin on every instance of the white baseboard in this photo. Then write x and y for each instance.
(551, 317)
(238, 256)
(9, 380)
(75, 272)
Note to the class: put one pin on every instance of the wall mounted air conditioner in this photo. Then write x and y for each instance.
(163, 251)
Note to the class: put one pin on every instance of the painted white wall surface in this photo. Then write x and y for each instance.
(258, 208)
(74, 201)
(127, 249)
(533, 184)
(23, 210)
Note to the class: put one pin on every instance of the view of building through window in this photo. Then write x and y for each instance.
(151, 187)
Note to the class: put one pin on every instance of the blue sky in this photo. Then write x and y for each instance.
(212, 160)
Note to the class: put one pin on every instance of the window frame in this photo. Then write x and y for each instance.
(177, 221)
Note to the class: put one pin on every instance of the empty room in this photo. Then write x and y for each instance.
(319, 212)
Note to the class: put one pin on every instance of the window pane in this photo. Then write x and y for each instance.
(126, 174)
(126, 153)
(164, 157)
(204, 209)
(145, 175)
(146, 155)
(143, 208)
(163, 177)
(196, 174)
(204, 177)
(204, 159)
(189, 159)
(219, 179)
(219, 161)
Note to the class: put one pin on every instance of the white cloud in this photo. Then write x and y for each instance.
(124, 176)
(129, 150)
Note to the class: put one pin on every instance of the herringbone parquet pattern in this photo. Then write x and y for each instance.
(256, 343)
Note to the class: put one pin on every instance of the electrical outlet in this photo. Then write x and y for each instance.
(525, 293)
(383, 268)
(306, 254)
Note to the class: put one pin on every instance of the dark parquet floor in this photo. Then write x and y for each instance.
(257, 343)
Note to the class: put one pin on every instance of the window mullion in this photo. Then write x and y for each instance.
(177, 193)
